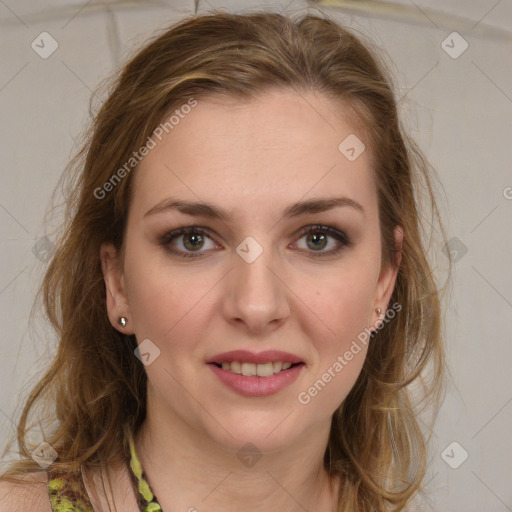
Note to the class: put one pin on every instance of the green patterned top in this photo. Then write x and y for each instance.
(66, 497)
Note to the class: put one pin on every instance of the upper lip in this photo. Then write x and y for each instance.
(245, 356)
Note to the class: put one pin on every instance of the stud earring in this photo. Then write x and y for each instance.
(378, 311)
(123, 321)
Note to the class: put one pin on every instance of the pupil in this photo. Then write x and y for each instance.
(319, 237)
(197, 240)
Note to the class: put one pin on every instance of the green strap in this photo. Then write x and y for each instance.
(147, 500)
(63, 498)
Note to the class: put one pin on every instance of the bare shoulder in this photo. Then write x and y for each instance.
(31, 493)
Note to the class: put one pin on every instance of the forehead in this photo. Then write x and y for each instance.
(247, 155)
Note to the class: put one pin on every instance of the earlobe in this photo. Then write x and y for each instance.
(116, 298)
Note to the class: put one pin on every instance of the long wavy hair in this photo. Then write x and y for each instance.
(94, 392)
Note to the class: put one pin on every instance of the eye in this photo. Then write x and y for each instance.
(186, 241)
(317, 239)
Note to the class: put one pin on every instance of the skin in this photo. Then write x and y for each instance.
(253, 159)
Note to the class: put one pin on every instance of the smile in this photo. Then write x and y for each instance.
(252, 369)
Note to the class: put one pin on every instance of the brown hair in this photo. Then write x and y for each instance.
(96, 385)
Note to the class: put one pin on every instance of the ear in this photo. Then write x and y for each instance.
(117, 301)
(387, 277)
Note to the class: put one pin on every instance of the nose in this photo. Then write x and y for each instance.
(256, 296)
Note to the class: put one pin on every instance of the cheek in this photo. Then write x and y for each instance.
(342, 308)
(340, 304)
(159, 295)
(341, 346)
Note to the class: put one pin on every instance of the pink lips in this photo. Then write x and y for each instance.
(256, 386)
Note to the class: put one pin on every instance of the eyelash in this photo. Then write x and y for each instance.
(342, 239)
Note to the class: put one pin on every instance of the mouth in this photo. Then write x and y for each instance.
(248, 369)
(263, 376)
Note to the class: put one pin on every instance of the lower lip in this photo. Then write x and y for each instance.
(257, 386)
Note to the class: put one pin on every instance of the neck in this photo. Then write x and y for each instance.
(188, 472)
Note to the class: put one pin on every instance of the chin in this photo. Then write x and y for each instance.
(267, 432)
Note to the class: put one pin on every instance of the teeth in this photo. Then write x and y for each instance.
(236, 367)
(265, 370)
(248, 369)
(252, 369)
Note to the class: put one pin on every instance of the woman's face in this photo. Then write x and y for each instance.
(252, 178)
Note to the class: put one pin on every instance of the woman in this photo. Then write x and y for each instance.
(241, 294)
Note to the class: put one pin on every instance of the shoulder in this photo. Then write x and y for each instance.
(29, 493)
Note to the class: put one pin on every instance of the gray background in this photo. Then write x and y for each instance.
(458, 107)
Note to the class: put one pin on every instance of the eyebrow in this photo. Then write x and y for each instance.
(208, 210)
